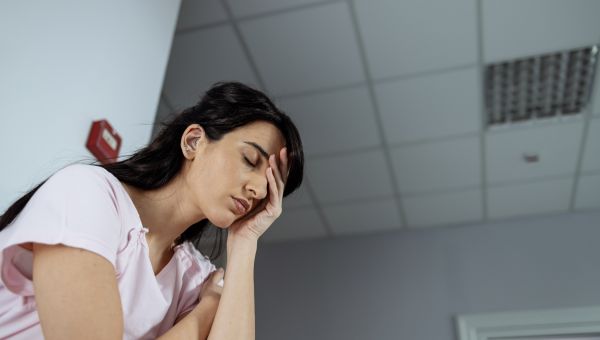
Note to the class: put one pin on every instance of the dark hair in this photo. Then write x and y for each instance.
(224, 107)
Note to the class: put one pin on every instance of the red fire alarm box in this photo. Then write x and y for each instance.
(104, 142)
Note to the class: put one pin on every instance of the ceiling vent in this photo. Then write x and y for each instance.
(543, 86)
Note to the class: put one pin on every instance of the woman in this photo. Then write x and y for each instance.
(109, 252)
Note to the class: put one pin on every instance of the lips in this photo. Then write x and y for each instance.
(241, 205)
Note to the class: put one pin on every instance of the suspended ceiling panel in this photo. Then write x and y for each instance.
(345, 120)
(244, 8)
(588, 192)
(532, 198)
(430, 106)
(201, 58)
(296, 224)
(359, 176)
(301, 50)
(517, 28)
(198, 13)
(450, 164)
(388, 98)
(555, 146)
(363, 217)
(444, 208)
(298, 199)
(407, 37)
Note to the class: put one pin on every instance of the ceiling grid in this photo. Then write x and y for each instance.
(372, 97)
(418, 70)
(482, 123)
(306, 181)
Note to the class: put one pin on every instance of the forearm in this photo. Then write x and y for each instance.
(195, 325)
(235, 315)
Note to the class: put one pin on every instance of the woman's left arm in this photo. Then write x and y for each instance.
(235, 318)
(197, 323)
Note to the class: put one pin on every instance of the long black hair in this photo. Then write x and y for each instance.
(224, 107)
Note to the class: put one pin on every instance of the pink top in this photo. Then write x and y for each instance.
(86, 207)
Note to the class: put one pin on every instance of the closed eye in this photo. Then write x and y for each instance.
(248, 162)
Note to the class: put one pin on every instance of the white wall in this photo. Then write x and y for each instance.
(410, 285)
(66, 63)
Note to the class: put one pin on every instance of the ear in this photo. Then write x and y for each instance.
(192, 138)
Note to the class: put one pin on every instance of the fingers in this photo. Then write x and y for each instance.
(274, 196)
(283, 166)
(274, 208)
(276, 172)
(217, 275)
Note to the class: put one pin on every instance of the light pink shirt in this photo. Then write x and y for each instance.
(86, 207)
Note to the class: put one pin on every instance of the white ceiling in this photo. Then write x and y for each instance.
(387, 97)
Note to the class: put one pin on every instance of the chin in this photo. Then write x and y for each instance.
(223, 221)
(219, 223)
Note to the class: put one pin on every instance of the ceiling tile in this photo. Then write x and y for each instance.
(556, 145)
(305, 49)
(296, 224)
(438, 166)
(241, 8)
(411, 36)
(519, 28)
(334, 121)
(363, 217)
(201, 58)
(591, 158)
(530, 198)
(194, 13)
(348, 177)
(431, 106)
(588, 192)
(443, 209)
(299, 198)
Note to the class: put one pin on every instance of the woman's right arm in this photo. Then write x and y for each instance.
(76, 294)
(77, 297)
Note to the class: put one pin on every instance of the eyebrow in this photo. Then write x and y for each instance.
(259, 148)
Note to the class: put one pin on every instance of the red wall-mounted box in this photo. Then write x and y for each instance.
(104, 142)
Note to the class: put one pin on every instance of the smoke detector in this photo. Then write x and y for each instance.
(542, 86)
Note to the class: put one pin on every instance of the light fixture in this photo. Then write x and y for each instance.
(548, 85)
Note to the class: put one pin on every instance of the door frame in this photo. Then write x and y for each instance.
(562, 321)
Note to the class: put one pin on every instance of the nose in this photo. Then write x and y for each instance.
(257, 186)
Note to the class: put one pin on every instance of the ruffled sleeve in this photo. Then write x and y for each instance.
(194, 277)
(76, 207)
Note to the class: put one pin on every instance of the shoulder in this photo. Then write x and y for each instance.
(82, 173)
(83, 182)
(79, 206)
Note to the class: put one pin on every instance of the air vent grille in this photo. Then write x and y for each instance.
(549, 85)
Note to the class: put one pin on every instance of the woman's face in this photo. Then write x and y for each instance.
(227, 178)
